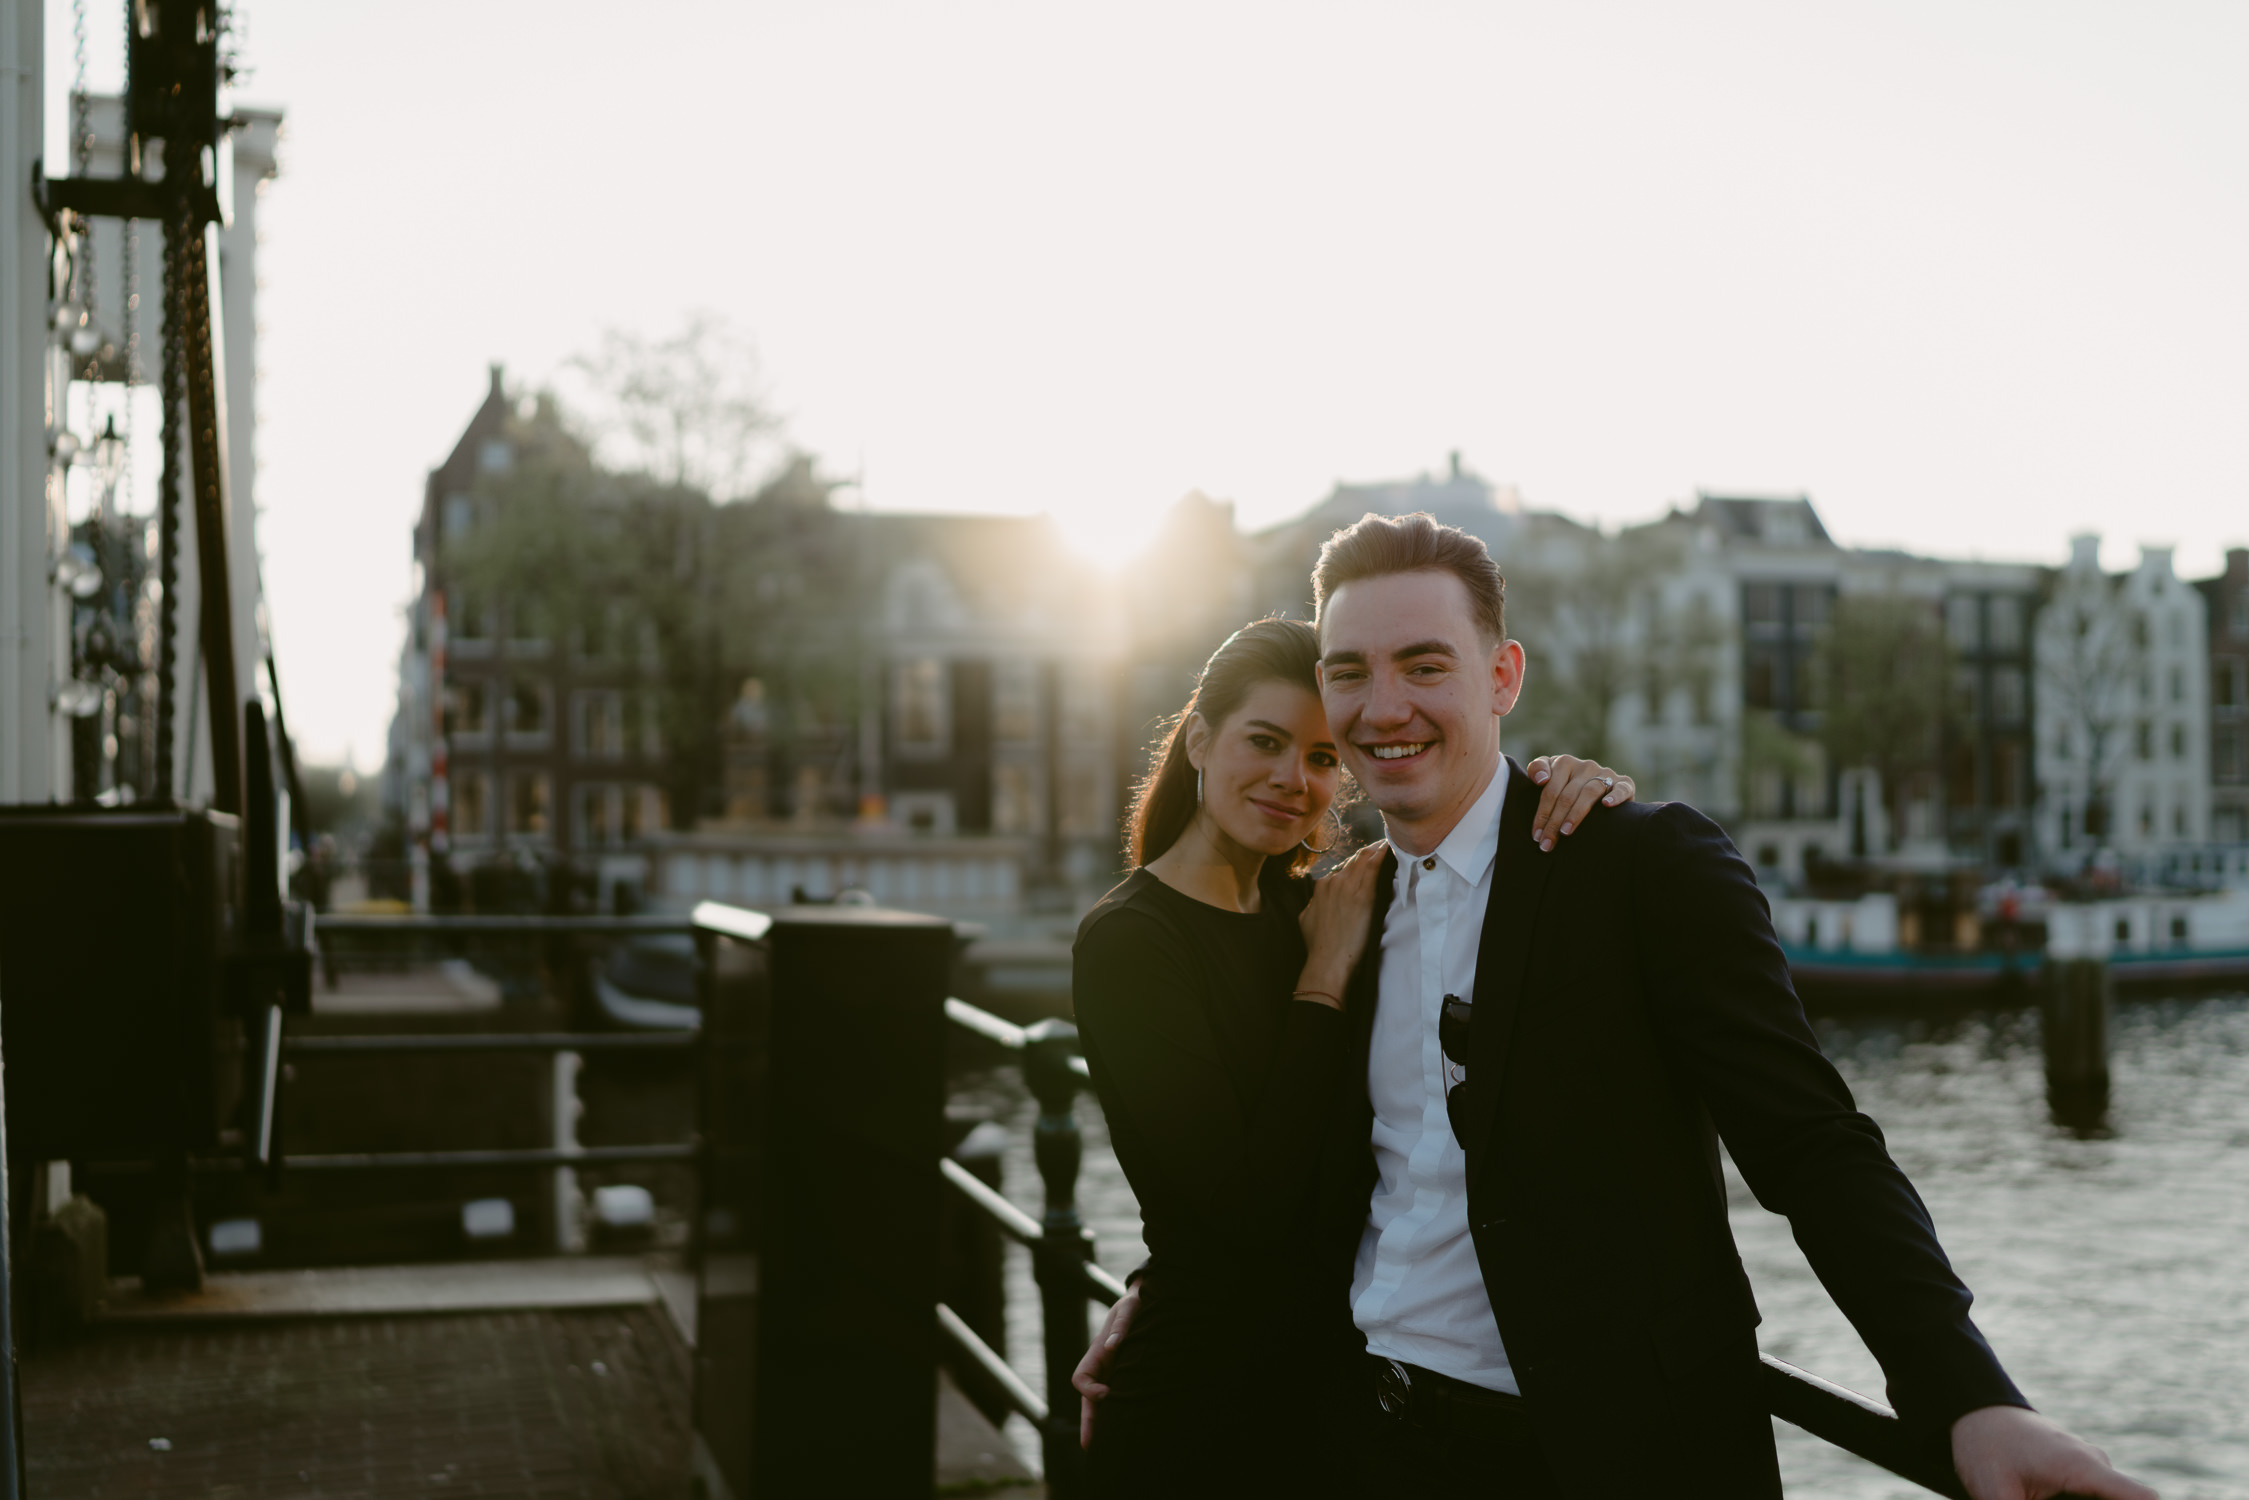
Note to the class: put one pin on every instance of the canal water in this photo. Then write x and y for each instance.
(2111, 1274)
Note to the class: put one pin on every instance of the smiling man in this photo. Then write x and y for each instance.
(1539, 1259)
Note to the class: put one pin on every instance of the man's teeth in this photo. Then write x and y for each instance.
(1398, 752)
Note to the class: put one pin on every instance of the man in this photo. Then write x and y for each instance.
(1557, 1036)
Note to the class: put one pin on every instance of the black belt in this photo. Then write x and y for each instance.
(1432, 1402)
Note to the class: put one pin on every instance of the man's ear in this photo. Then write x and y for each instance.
(1508, 667)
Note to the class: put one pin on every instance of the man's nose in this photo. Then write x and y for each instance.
(1386, 701)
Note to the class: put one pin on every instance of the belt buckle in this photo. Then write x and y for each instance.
(1393, 1390)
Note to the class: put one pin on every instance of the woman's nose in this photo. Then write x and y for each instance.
(1289, 775)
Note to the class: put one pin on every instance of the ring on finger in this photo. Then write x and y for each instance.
(1609, 782)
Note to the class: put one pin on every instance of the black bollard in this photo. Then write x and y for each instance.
(2078, 996)
(824, 1120)
(1065, 1248)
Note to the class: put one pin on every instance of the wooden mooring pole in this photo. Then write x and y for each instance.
(2079, 993)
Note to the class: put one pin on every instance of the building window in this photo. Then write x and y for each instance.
(2004, 620)
(598, 635)
(648, 732)
(468, 618)
(460, 515)
(2008, 695)
(1960, 779)
(2007, 774)
(597, 816)
(2178, 742)
(1964, 694)
(527, 622)
(2226, 682)
(497, 456)
(1963, 622)
(468, 710)
(529, 708)
(1015, 702)
(2144, 740)
(529, 792)
(2226, 755)
(1015, 807)
(2241, 612)
(2178, 685)
(597, 730)
(644, 812)
(472, 804)
(1084, 813)
(918, 704)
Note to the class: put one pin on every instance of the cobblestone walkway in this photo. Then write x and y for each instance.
(577, 1403)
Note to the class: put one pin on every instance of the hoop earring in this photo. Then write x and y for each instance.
(1334, 838)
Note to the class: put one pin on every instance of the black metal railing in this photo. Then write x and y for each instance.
(421, 937)
(1069, 1281)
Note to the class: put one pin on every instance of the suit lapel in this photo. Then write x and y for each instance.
(1365, 989)
(1518, 883)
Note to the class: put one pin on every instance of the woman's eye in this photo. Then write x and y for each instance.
(1264, 742)
(1324, 761)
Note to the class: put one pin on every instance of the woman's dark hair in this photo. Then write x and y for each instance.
(1273, 650)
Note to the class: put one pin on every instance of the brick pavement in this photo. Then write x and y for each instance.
(588, 1403)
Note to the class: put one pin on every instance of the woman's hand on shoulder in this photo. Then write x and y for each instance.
(1335, 925)
(1574, 788)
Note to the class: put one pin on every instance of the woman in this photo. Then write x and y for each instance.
(1208, 989)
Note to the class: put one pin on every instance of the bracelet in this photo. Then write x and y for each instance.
(1336, 1000)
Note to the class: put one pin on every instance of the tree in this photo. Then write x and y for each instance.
(763, 587)
(2091, 654)
(1885, 670)
(685, 409)
(1597, 629)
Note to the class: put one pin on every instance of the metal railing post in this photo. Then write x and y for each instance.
(1065, 1246)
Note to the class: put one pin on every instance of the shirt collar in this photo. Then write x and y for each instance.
(1468, 851)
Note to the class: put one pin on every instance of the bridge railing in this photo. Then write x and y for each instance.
(1068, 1280)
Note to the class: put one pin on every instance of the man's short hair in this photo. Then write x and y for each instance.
(1376, 546)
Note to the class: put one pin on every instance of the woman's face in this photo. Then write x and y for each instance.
(1269, 771)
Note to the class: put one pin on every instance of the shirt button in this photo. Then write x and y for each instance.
(1430, 863)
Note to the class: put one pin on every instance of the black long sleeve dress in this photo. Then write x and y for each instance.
(1215, 1084)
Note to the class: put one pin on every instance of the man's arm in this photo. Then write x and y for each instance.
(1720, 994)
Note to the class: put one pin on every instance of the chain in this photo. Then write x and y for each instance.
(174, 382)
(82, 156)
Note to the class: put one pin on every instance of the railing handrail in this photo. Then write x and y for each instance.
(1833, 1413)
(495, 924)
(360, 1044)
(1004, 1033)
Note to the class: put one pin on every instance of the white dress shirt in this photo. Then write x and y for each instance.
(1418, 1292)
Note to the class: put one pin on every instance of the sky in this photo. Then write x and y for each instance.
(1970, 275)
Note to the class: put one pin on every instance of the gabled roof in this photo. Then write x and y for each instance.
(1783, 519)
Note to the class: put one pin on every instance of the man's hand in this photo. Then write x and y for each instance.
(2007, 1453)
(1087, 1376)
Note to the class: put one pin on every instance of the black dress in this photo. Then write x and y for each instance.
(1215, 1084)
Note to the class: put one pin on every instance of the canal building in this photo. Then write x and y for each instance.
(2124, 727)
(2226, 608)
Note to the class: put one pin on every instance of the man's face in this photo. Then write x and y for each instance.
(1414, 695)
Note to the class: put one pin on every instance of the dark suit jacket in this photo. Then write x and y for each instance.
(1632, 1009)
